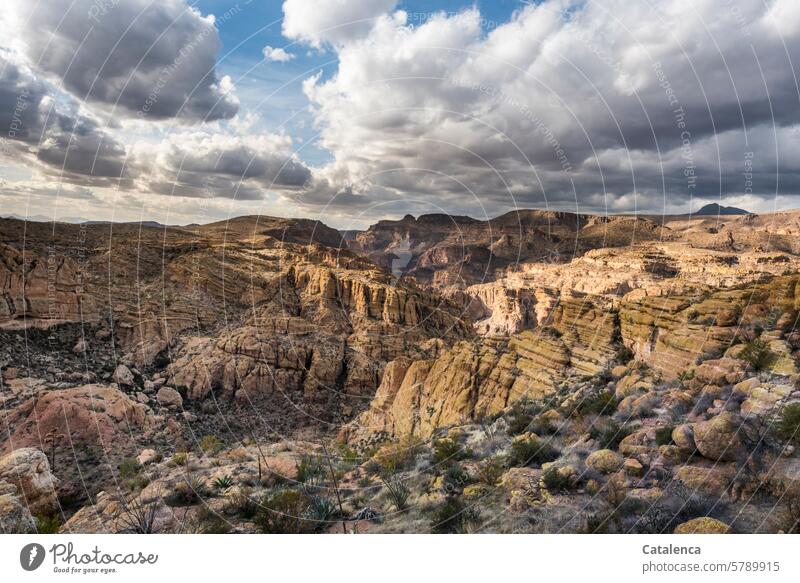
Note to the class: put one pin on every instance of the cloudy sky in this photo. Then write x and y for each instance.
(353, 110)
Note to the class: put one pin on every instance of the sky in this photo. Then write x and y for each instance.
(352, 111)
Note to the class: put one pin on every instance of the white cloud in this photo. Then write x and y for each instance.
(277, 54)
(641, 106)
(320, 22)
(208, 165)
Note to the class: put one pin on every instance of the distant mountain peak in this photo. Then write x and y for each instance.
(715, 209)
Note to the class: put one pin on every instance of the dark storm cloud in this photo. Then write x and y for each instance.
(37, 127)
(152, 59)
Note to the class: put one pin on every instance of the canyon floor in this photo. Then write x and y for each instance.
(539, 372)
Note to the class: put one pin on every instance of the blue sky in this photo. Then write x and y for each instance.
(245, 35)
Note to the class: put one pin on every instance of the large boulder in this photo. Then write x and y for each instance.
(169, 397)
(703, 525)
(723, 438)
(714, 481)
(28, 470)
(722, 371)
(15, 518)
(605, 461)
(123, 376)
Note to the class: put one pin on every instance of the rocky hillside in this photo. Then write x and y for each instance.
(540, 371)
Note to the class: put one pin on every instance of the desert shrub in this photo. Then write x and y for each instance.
(541, 426)
(531, 451)
(791, 511)
(555, 481)
(188, 492)
(321, 510)
(349, 457)
(48, 523)
(608, 433)
(522, 414)
(664, 434)
(223, 483)
(136, 483)
(210, 522)
(452, 516)
(181, 458)
(396, 456)
(448, 450)
(283, 512)
(757, 354)
(365, 481)
(490, 470)
(519, 423)
(624, 354)
(210, 444)
(309, 468)
(602, 403)
(788, 426)
(454, 479)
(129, 468)
(397, 492)
(242, 503)
(138, 516)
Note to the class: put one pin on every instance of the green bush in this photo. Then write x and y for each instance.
(181, 458)
(283, 512)
(210, 444)
(788, 426)
(129, 468)
(519, 423)
(210, 522)
(447, 450)
(529, 450)
(554, 481)
(757, 354)
(398, 492)
(602, 403)
(608, 433)
(664, 434)
(309, 469)
(47, 523)
(452, 516)
(223, 483)
(321, 510)
(188, 492)
(490, 470)
(242, 503)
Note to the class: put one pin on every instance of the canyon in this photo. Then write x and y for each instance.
(262, 346)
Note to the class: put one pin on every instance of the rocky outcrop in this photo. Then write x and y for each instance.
(40, 290)
(28, 470)
(87, 414)
(15, 517)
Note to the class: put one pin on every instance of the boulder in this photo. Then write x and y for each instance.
(15, 518)
(633, 467)
(722, 371)
(722, 438)
(714, 481)
(605, 461)
(29, 471)
(147, 456)
(123, 376)
(169, 397)
(703, 525)
(683, 437)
